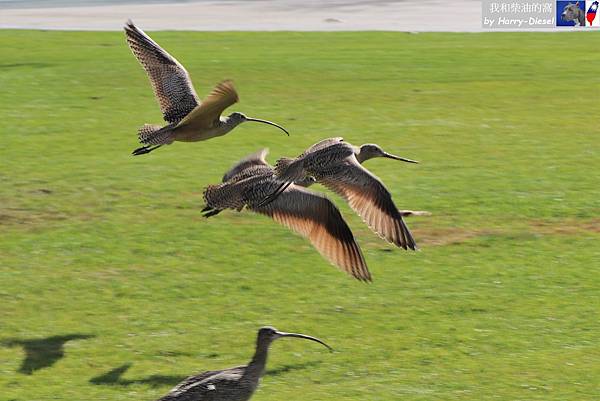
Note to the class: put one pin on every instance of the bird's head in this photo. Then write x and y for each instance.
(237, 118)
(371, 150)
(268, 334)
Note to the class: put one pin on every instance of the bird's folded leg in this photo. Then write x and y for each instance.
(144, 150)
(212, 212)
(275, 194)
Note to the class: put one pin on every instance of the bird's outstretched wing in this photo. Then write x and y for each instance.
(208, 112)
(255, 159)
(316, 218)
(368, 197)
(207, 386)
(170, 80)
(323, 144)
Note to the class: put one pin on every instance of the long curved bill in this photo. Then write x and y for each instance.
(258, 120)
(390, 156)
(283, 334)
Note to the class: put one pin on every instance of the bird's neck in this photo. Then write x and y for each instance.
(256, 367)
(361, 156)
(229, 123)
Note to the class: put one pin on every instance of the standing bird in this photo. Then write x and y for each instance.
(235, 384)
(337, 165)
(189, 118)
(306, 212)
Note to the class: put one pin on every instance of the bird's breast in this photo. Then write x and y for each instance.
(194, 134)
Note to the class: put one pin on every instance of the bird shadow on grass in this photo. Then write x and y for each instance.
(114, 377)
(291, 367)
(42, 352)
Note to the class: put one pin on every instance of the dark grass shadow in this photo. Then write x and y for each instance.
(289, 368)
(24, 65)
(42, 352)
(113, 378)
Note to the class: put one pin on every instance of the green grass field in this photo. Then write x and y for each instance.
(501, 303)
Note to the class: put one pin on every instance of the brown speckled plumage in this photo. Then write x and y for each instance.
(337, 165)
(170, 81)
(189, 119)
(306, 212)
(235, 384)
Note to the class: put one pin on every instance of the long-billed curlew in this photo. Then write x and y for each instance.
(189, 118)
(337, 165)
(306, 212)
(235, 384)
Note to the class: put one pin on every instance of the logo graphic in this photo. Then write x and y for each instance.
(592, 16)
(569, 13)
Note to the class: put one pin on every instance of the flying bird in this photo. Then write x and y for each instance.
(189, 118)
(235, 384)
(338, 166)
(306, 212)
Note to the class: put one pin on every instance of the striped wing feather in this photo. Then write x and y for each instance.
(316, 218)
(369, 198)
(254, 159)
(207, 114)
(197, 387)
(323, 144)
(169, 79)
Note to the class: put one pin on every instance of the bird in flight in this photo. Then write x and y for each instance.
(189, 118)
(306, 212)
(338, 166)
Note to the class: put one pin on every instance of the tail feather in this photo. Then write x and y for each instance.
(223, 196)
(287, 169)
(282, 164)
(150, 134)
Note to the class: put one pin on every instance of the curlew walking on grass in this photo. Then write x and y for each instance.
(189, 119)
(338, 166)
(235, 384)
(306, 212)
